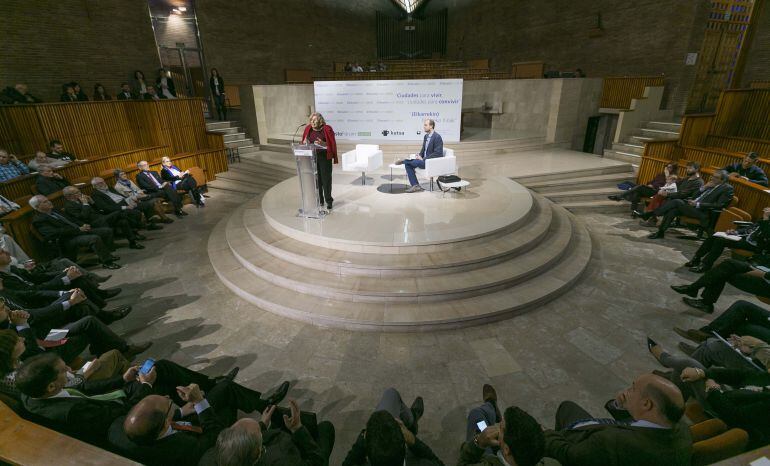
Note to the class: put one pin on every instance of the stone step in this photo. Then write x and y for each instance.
(239, 143)
(622, 156)
(570, 174)
(664, 125)
(406, 147)
(234, 137)
(657, 134)
(629, 147)
(545, 187)
(212, 125)
(223, 184)
(283, 148)
(245, 150)
(362, 316)
(231, 130)
(596, 206)
(255, 166)
(477, 253)
(581, 195)
(642, 139)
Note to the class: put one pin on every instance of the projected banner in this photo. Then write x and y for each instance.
(390, 110)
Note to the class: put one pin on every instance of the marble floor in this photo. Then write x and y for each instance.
(584, 346)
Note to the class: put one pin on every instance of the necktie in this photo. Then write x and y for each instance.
(149, 175)
(116, 395)
(186, 427)
(705, 193)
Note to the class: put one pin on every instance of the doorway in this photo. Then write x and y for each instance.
(186, 68)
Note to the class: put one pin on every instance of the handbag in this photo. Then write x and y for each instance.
(447, 179)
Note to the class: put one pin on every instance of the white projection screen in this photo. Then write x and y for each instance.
(390, 110)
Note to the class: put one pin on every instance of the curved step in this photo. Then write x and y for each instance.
(398, 288)
(476, 253)
(464, 312)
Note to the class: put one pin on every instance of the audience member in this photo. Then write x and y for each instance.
(715, 195)
(18, 95)
(348, 67)
(125, 92)
(515, 438)
(740, 274)
(654, 435)
(165, 85)
(140, 214)
(7, 206)
(139, 84)
(70, 234)
(152, 183)
(390, 437)
(42, 159)
(11, 167)
(49, 182)
(82, 97)
(741, 318)
(56, 151)
(128, 189)
(217, 86)
(667, 189)
(748, 169)
(152, 94)
(181, 180)
(100, 93)
(686, 189)
(357, 68)
(151, 433)
(78, 206)
(68, 93)
(250, 442)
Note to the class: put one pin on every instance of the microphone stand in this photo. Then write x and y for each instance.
(296, 131)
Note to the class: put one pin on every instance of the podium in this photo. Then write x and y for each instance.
(307, 172)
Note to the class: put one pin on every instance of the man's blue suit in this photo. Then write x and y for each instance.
(434, 148)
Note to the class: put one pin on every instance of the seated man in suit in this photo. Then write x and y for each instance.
(654, 435)
(518, 436)
(70, 233)
(152, 183)
(128, 189)
(11, 167)
(744, 275)
(77, 205)
(249, 441)
(390, 436)
(56, 151)
(181, 180)
(108, 201)
(125, 92)
(716, 194)
(432, 146)
(748, 169)
(151, 434)
(741, 318)
(152, 94)
(49, 182)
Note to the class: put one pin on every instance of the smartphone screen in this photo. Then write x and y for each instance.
(481, 426)
(147, 366)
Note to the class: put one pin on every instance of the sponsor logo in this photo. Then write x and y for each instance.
(386, 132)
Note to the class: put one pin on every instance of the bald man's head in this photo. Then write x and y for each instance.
(148, 419)
(655, 399)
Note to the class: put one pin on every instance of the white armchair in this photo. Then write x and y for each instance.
(364, 158)
(446, 165)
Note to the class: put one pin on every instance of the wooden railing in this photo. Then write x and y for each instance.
(649, 168)
(695, 128)
(617, 92)
(93, 129)
(714, 157)
(743, 113)
(736, 144)
(760, 84)
(751, 197)
(661, 149)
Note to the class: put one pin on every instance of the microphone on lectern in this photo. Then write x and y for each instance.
(296, 131)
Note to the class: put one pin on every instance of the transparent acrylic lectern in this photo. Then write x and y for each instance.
(310, 206)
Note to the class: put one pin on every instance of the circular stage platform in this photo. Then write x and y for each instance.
(408, 262)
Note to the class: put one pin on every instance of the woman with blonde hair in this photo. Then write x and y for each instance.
(321, 135)
(181, 180)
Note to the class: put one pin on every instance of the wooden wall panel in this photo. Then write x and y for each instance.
(735, 144)
(695, 128)
(743, 113)
(617, 92)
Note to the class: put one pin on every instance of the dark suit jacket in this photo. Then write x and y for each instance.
(718, 198)
(281, 449)
(82, 212)
(41, 281)
(145, 184)
(54, 229)
(742, 408)
(46, 186)
(149, 97)
(181, 448)
(418, 454)
(104, 203)
(83, 418)
(123, 96)
(169, 83)
(616, 445)
(754, 173)
(68, 98)
(62, 156)
(221, 85)
(687, 189)
(435, 147)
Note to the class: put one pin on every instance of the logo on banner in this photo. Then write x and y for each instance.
(386, 132)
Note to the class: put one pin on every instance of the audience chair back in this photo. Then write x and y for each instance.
(199, 175)
(713, 441)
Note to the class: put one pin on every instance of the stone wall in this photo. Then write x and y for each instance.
(48, 43)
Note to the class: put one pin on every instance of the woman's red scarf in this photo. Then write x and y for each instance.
(331, 143)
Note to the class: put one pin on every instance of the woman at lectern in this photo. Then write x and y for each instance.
(322, 136)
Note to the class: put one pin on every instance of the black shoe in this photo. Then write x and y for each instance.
(656, 235)
(279, 394)
(166, 220)
(693, 263)
(614, 198)
(110, 265)
(699, 304)
(99, 279)
(650, 344)
(685, 289)
(139, 237)
(153, 226)
(229, 376)
(489, 395)
(120, 311)
(110, 293)
(702, 268)
(698, 336)
(135, 245)
(114, 258)
(133, 350)
(643, 215)
(329, 206)
(418, 408)
(686, 349)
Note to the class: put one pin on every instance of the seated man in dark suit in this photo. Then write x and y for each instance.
(78, 206)
(653, 435)
(744, 275)
(151, 434)
(125, 92)
(390, 436)
(741, 318)
(140, 214)
(152, 94)
(748, 169)
(152, 183)
(249, 441)
(49, 182)
(716, 194)
(56, 151)
(517, 434)
(432, 146)
(70, 233)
